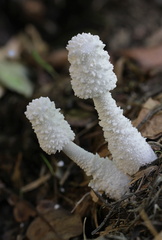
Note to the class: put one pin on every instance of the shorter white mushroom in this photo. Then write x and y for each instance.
(54, 134)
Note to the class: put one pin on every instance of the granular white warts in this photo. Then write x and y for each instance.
(54, 134)
(93, 77)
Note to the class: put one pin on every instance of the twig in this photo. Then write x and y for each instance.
(103, 222)
(35, 184)
(148, 223)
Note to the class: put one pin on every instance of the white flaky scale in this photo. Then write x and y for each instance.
(93, 77)
(54, 134)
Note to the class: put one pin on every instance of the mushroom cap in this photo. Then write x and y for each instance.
(52, 130)
(91, 71)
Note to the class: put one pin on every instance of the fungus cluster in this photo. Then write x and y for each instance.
(54, 134)
(93, 77)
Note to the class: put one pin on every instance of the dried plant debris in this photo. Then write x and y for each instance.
(55, 224)
(149, 119)
(138, 215)
(148, 58)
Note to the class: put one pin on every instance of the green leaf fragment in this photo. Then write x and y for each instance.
(48, 164)
(46, 66)
(13, 76)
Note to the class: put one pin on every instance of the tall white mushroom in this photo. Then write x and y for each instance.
(54, 134)
(93, 77)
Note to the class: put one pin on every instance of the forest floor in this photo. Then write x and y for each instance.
(46, 197)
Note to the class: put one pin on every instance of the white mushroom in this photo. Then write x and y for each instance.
(54, 133)
(93, 77)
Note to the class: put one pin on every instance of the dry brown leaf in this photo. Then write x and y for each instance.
(45, 206)
(158, 236)
(84, 205)
(34, 9)
(58, 58)
(55, 225)
(148, 58)
(152, 128)
(12, 49)
(22, 211)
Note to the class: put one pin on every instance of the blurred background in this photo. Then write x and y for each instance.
(119, 24)
(33, 63)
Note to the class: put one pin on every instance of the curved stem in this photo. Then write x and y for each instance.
(81, 157)
(105, 175)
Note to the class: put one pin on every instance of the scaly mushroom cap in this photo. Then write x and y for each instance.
(52, 131)
(91, 72)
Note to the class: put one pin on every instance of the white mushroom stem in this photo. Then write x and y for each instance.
(129, 149)
(93, 77)
(54, 134)
(80, 156)
(105, 176)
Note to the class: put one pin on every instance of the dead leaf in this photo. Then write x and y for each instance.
(22, 211)
(34, 9)
(45, 206)
(55, 225)
(12, 49)
(158, 236)
(151, 127)
(84, 205)
(148, 58)
(58, 58)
